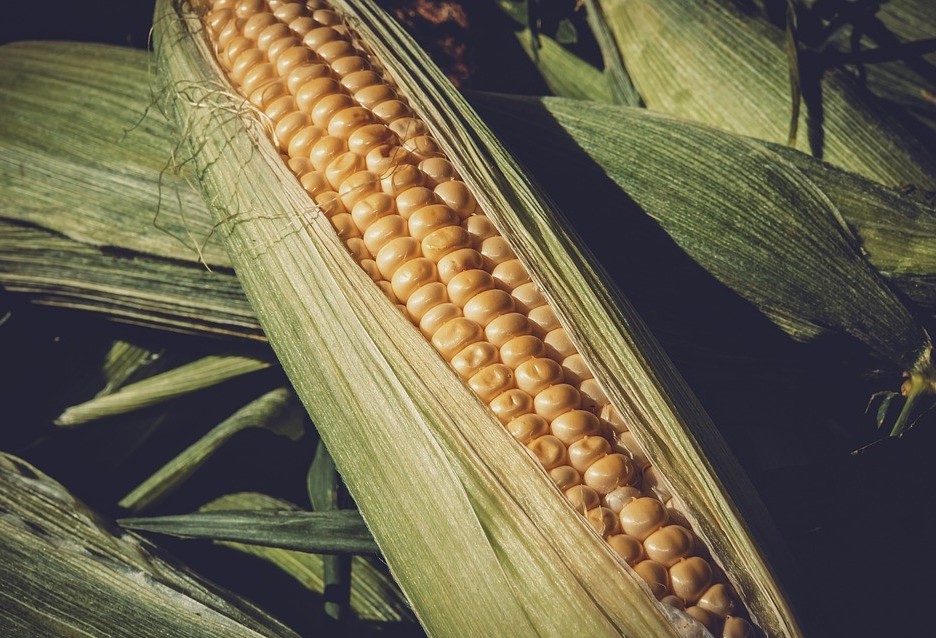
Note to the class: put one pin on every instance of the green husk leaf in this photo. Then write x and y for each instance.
(711, 63)
(105, 180)
(374, 595)
(896, 229)
(277, 411)
(565, 73)
(185, 379)
(322, 480)
(746, 213)
(619, 81)
(910, 83)
(333, 532)
(479, 504)
(64, 571)
(129, 287)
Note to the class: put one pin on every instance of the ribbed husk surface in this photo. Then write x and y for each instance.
(65, 572)
(786, 247)
(423, 457)
(708, 62)
(61, 261)
(374, 596)
(901, 81)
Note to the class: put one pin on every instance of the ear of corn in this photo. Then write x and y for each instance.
(491, 515)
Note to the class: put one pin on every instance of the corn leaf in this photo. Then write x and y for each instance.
(323, 485)
(619, 81)
(191, 377)
(124, 286)
(335, 532)
(64, 571)
(374, 595)
(711, 63)
(565, 73)
(276, 411)
(477, 502)
(109, 172)
(745, 212)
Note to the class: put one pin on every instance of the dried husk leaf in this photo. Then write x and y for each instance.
(185, 379)
(124, 361)
(125, 286)
(335, 532)
(64, 571)
(564, 73)
(711, 63)
(276, 411)
(374, 595)
(749, 215)
(480, 506)
(108, 173)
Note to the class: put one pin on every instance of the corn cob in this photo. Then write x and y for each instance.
(371, 166)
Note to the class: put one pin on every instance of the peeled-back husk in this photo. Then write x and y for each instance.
(476, 533)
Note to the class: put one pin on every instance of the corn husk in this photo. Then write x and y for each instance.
(336, 532)
(276, 411)
(374, 596)
(128, 287)
(786, 248)
(482, 509)
(711, 63)
(115, 143)
(64, 571)
(895, 231)
(191, 377)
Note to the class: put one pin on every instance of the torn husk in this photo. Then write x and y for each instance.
(422, 455)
